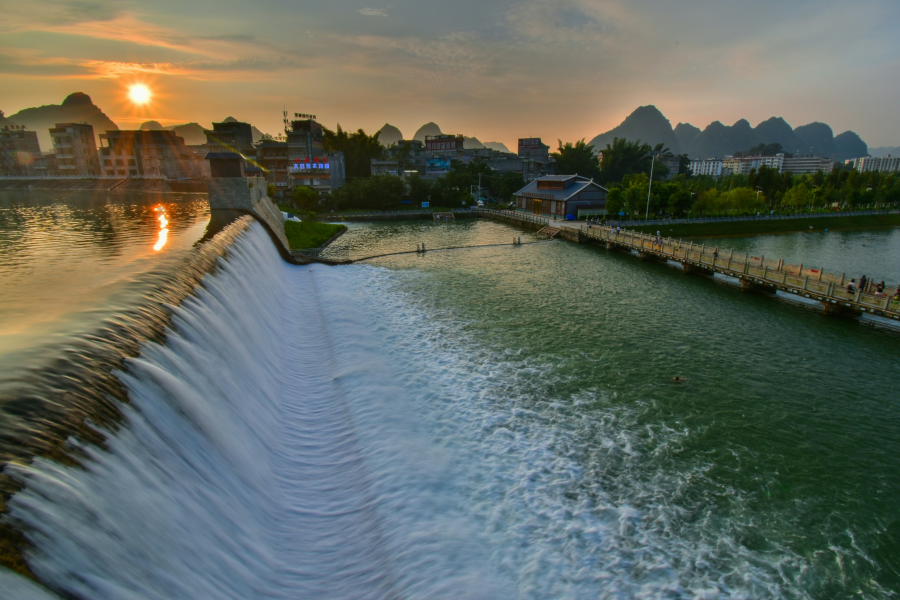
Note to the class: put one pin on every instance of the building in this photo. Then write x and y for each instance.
(807, 165)
(385, 167)
(321, 173)
(883, 164)
(76, 150)
(46, 166)
(154, 153)
(230, 136)
(706, 166)
(742, 165)
(444, 144)
(309, 164)
(672, 163)
(562, 196)
(534, 148)
(19, 151)
(411, 156)
(272, 156)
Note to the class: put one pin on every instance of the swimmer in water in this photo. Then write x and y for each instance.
(678, 379)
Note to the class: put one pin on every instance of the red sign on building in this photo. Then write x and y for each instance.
(443, 143)
(529, 144)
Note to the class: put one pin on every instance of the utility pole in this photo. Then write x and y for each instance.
(650, 187)
(479, 186)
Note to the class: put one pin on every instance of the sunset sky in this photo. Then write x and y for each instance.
(494, 69)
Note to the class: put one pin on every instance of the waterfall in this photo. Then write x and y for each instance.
(265, 451)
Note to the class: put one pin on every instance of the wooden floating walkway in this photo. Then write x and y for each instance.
(756, 274)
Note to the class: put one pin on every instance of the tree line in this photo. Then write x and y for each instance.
(623, 167)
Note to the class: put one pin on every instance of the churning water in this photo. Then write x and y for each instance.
(484, 423)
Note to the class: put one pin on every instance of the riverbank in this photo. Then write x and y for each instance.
(106, 185)
(311, 234)
(740, 228)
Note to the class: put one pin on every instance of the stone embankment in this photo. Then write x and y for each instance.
(104, 184)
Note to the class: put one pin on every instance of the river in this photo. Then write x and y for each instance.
(480, 423)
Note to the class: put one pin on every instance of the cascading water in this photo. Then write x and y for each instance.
(240, 470)
(494, 423)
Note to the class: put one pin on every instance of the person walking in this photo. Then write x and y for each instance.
(862, 283)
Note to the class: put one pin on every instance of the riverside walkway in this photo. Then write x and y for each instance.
(756, 274)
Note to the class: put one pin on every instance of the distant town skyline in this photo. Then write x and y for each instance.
(497, 71)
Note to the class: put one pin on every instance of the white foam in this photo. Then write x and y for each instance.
(241, 470)
(321, 433)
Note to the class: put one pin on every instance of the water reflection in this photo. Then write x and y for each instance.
(163, 229)
(66, 256)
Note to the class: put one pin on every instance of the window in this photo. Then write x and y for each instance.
(131, 162)
(132, 173)
(120, 162)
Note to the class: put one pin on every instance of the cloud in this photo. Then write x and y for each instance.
(373, 12)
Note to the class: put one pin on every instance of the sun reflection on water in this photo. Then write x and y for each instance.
(163, 228)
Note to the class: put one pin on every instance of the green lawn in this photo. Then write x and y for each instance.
(310, 234)
(694, 230)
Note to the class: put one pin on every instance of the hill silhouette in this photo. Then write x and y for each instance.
(427, 129)
(76, 108)
(191, 132)
(389, 135)
(497, 146)
(649, 125)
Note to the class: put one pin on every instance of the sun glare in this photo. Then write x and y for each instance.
(139, 93)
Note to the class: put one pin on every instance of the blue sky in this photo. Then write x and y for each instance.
(494, 69)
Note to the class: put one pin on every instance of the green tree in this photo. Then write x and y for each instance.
(744, 199)
(305, 199)
(359, 149)
(623, 158)
(504, 185)
(419, 189)
(576, 159)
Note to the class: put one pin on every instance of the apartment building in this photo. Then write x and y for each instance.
(230, 136)
(19, 151)
(76, 150)
(706, 166)
(884, 164)
(156, 153)
(807, 165)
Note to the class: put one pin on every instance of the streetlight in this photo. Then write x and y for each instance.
(650, 187)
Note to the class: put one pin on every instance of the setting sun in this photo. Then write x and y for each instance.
(139, 93)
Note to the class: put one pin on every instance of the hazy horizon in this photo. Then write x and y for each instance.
(498, 71)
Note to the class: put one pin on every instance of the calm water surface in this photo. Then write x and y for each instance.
(506, 426)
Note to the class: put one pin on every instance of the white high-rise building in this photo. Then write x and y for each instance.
(706, 166)
(884, 164)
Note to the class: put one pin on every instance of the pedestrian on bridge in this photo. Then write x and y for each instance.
(862, 283)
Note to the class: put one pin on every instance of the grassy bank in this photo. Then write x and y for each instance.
(310, 234)
(696, 230)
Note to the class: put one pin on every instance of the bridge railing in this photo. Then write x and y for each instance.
(515, 215)
(845, 213)
(817, 281)
(382, 213)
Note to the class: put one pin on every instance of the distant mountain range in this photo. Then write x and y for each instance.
(193, 133)
(390, 135)
(76, 108)
(649, 125)
(885, 150)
